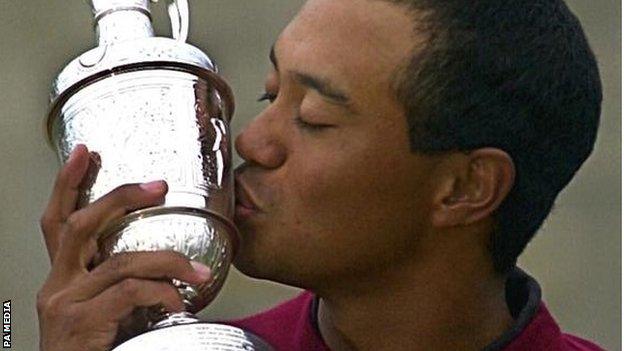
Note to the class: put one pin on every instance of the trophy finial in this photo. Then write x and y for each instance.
(123, 20)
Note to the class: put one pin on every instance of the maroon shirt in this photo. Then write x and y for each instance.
(293, 325)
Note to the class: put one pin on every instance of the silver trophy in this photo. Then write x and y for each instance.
(155, 108)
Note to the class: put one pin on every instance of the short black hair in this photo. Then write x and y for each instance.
(517, 75)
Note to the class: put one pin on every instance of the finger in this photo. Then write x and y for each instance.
(80, 233)
(159, 265)
(118, 301)
(63, 198)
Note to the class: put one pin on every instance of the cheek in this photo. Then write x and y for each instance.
(354, 212)
(349, 186)
(312, 192)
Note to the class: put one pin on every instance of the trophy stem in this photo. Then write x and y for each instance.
(172, 319)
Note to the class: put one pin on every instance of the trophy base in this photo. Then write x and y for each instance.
(196, 337)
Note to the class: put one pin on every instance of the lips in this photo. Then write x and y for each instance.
(245, 204)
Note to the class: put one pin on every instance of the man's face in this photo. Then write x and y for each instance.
(338, 192)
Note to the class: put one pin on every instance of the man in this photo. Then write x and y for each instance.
(410, 150)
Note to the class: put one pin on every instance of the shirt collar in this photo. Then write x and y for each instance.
(522, 292)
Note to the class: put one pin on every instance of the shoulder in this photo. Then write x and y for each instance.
(543, 333)
(286, 326)
(574, 343)
(285, 313)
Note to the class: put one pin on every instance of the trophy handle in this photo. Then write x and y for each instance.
(179, 15)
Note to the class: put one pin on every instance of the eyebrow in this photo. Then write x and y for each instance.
(321, 85)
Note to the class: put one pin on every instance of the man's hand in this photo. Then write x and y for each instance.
(81, 309)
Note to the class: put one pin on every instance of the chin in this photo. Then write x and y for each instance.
(245, 266)
(253, 263)
(267, 266)
(277, 255)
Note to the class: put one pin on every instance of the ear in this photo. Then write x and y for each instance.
(472, 186)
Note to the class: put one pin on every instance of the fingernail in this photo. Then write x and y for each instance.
(202, 271)
(74, 152)
(154, 187)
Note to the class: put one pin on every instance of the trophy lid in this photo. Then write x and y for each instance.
(125, 38)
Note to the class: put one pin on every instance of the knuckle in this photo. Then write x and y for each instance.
(175, 257)
(91, 247)
(45, 223)
(126, 197)
(129, 287)
(116, 264)
(174, 294)
(121, 261)
(74, 223)
(124, 192)
(50, 306)
(42, 301)
(172, 297)
(174, 262)
(168, 294)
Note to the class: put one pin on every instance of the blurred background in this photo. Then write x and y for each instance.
(576, 256)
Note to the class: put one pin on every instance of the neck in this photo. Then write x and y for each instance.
(451, 306)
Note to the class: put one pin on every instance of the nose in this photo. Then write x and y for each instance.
(260, 144)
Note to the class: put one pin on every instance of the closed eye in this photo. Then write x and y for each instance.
(310, 127)
(270, 97)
